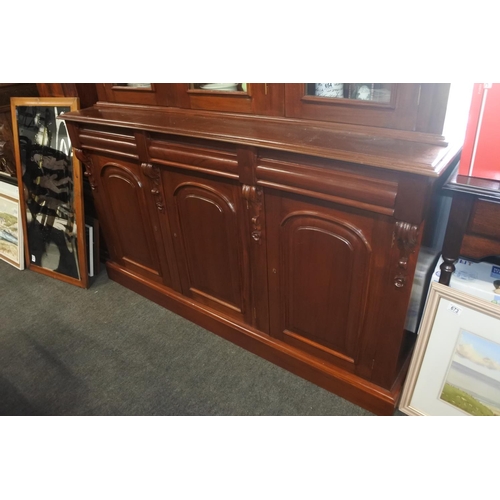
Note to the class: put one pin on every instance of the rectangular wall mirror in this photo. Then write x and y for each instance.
(50, 189)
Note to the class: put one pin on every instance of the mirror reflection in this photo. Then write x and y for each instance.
(48, 186)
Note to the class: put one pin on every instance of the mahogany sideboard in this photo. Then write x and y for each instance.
(287, 223)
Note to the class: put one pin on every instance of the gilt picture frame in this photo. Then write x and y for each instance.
(50, 189)
(11, 226)
(455, 368)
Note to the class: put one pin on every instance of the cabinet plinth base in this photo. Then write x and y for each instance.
(355, 389)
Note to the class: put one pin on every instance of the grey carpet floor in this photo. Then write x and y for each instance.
(109, 351)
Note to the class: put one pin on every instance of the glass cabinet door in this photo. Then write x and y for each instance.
(390, 105)
(251, 98)
(373, 92)
(219, 87)
(153, 94)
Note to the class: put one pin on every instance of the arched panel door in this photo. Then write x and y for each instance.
(122, 199)
(319, 268)
(205, 214)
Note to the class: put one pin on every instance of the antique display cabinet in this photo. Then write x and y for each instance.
(286, 218)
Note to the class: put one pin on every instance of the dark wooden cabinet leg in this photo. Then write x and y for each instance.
(457, 225)
(447, 269)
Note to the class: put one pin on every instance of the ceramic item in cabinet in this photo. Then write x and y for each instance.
(329, 90)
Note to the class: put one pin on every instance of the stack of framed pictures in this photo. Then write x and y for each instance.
(455, 369)
(92, 237)
(11, 226)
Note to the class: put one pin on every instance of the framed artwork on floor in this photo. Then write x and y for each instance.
(11, 226)
(455, 368)
(50, 189)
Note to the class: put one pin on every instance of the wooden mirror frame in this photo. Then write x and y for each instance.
(50, 188)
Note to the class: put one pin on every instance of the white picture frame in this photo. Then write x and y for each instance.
(455, 367)
(11, 226)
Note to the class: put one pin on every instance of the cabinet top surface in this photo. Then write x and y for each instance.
(486, 188)
(363, 145)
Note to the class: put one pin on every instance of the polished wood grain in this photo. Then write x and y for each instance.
(157, 94)
(318, 260)
(260, 98)
(86, 92)
(126, 220)
(413, 107)
(367, 192)
(294, 237)
(473, 229)
(484, 219)
(205, 157)
(372, 146)
(431, 112)
(255, 236)
(206, 215)
(401, 113)
(116, 142)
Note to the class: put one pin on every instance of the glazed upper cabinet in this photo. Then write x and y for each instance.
(395, 106)
(150, 94)
(248, 98)
(401, 106)
(415, 107)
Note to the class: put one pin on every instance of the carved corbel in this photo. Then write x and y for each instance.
(89, 167)
(406, 237)
(153, 172)
(253, 197)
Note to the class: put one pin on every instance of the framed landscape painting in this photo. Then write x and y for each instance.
(11, 229)
(50, 189)
(455, 369)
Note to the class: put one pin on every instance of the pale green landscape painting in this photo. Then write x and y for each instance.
(472, 383)
(9, 238)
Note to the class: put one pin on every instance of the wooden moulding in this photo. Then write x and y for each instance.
(372, 146)
(342, 383)
(108, 142)
(209, 160)
(347, 188)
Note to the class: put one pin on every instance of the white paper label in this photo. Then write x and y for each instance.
(455, 309)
